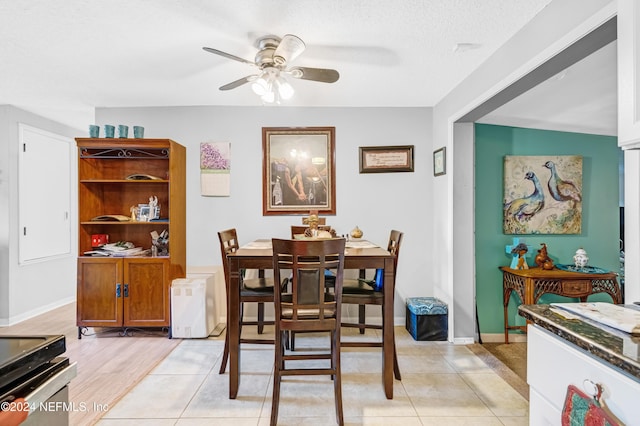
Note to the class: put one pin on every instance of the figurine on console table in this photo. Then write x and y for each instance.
(521, 250)
(543, 260)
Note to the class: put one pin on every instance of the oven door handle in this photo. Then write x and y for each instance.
(49, 388)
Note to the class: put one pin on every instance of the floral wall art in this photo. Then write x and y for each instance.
(215, 169)
(542, 194)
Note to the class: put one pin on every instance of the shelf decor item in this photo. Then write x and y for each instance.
(123, 131)
(138, 132)
(109, 131)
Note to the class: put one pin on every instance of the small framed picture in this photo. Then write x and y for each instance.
(439, 162)
(385, 159)
(143, 213)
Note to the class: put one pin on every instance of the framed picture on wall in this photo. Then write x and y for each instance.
(298, 170)
(385, 159)
(439, 162)
(542, 194)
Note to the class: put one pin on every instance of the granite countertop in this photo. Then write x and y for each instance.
(617, 348)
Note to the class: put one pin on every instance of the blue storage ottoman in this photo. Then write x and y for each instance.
(427, 318)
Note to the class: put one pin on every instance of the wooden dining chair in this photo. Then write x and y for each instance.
(305, 306)
(257, 290)
(362, 292)
(329, 277)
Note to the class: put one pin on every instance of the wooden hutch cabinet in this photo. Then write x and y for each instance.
(129, 291)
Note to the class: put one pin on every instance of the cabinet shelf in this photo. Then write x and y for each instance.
(124, 257)
(124, 181)
(124, 152)
(130, 223)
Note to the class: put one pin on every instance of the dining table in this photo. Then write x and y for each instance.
(361, 254)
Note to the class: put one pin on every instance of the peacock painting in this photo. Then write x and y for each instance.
(542, 194)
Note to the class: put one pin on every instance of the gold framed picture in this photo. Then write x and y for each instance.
(298, 170)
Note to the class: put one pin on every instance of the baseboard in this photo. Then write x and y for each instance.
(499, 338)
(6, 322)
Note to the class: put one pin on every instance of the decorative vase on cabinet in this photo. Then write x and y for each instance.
(129, 291)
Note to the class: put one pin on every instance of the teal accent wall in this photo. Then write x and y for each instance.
(600, 211)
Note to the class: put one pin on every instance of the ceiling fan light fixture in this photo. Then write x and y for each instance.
(285, 90)
(269, 97)
(260, 86)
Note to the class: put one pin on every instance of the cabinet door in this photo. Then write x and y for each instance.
(99, 292)
(553, 364)
(628, 74)
(146, 292)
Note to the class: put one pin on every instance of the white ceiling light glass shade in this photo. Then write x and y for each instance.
(271, 86)
(260, 85)
(269, 97)
(285, 90)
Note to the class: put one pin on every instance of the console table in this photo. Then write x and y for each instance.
(530, 284)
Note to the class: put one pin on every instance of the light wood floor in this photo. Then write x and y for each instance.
(108, 365)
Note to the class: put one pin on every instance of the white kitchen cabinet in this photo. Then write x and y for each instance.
(628, 74)
(553, 364)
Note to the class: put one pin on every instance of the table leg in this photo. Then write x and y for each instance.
(387, 325)
(506, 295)
(233, 326)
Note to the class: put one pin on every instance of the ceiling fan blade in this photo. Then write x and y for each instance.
(239, 82)
(290, 48)
(322, 75)
(228, 55)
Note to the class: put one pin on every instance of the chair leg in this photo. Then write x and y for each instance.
(361, 317)
(396, 367)
(225, 354)
(337, 378)
(277, 378)
(260, 318)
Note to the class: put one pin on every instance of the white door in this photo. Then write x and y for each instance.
(44, 194)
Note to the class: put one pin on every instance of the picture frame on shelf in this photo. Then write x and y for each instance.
(298, 170)
(386, 159)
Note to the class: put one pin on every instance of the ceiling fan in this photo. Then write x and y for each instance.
(273, 61)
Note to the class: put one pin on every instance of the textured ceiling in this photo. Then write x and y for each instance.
(63, 58)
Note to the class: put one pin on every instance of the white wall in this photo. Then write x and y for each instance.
(30, 289)
(376, 202)
(557, 26)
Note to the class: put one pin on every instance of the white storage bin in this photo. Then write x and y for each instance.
(193, 307)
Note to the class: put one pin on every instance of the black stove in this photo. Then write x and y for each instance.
(31, 368)
(22, 355)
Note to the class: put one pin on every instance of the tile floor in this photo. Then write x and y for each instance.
(441, 384)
